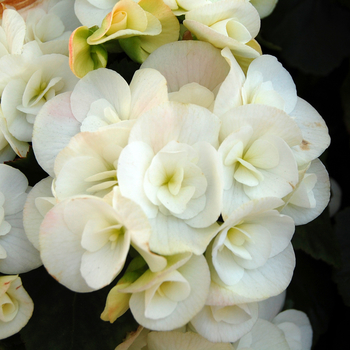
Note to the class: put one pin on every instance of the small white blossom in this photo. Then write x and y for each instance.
(16, 306)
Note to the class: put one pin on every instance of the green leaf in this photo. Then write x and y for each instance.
(133, 48)
(318, 239)
(65, 320)
(342, 275)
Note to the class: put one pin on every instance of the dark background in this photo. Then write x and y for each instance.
(311, 38)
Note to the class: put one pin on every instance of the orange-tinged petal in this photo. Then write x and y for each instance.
(84, 58)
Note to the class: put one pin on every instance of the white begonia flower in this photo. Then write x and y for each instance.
(52, 26)
(88, 165)
(256, 154)
(225, 323)
(26, 83)
(100, 99)
(16, 306)
(296, 328)
(263, 336)
(17, 254)
(225, 23)
(252, 249)
(143, 339)
(12, 33)
(187, 67)
(268, 82)
(84, 241)
(171, 168)
(311, 195)
(169, 298)
(39, 201)
(180, 7)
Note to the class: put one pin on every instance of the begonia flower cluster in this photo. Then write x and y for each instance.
(180, 190)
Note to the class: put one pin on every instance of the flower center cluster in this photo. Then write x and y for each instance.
(8, 309)
(173, 180)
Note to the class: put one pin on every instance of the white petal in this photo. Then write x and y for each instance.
(54, 126)
(196, 272)
(314, 132)
(320, 192)
(148, 89)
(185, 62)
(240, 323)
(171, 235)
(101, 83)
(39, 201)
(173, 121)
(257, 284)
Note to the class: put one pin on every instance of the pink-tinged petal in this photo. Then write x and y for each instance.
(173, 121)
(54, 126)
(61, 250)
(148, 89)
(83, 57)
(101, 84)
(185, 62)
